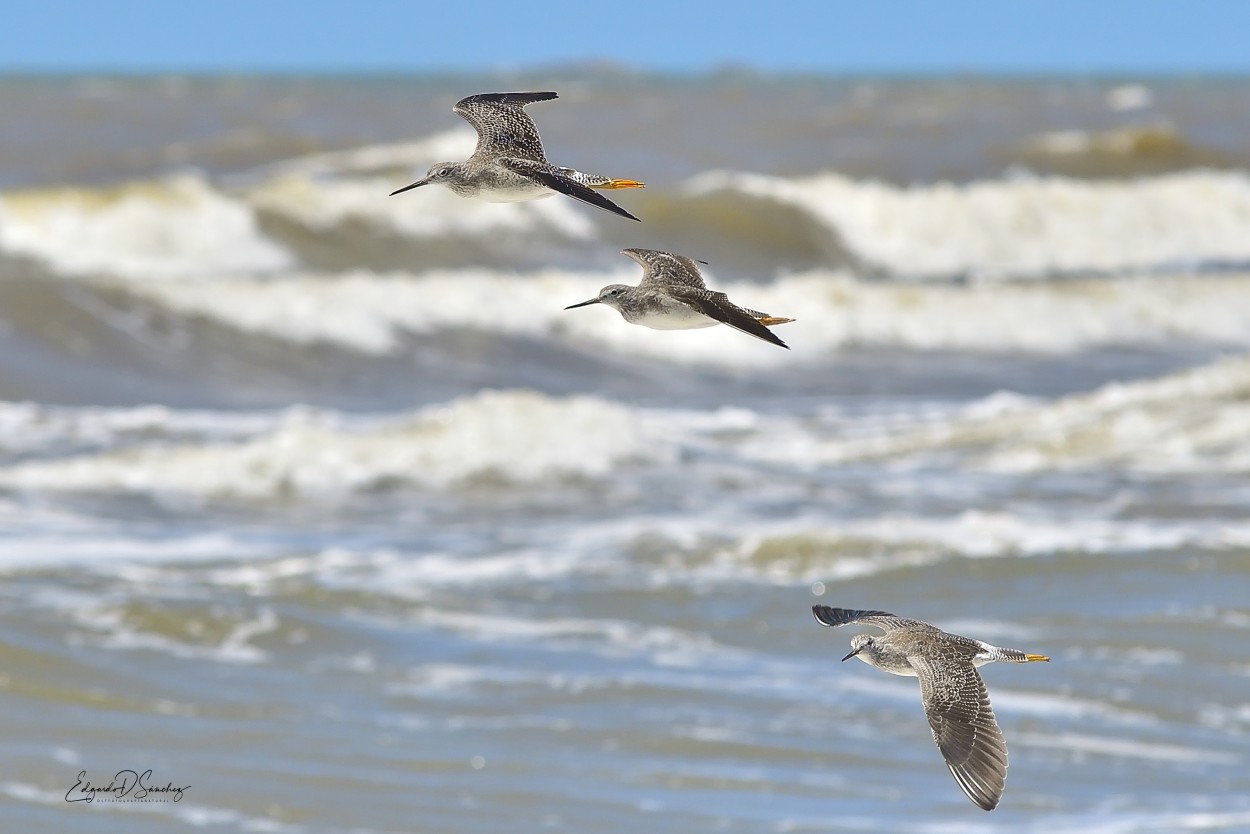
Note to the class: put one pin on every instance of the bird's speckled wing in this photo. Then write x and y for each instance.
(883, 620)
(663, 270)
(716, 305)
(550, 176)
(502, 126)
(964, 727)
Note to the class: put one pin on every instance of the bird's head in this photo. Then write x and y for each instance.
(859, 643)
(442, 172)
(610, 295)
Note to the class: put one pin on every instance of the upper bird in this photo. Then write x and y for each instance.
(508, 164)
(954, 696)
(672, 296)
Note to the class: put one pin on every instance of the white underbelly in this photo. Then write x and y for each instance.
(675, 320)
(904, 670)
(519, 194)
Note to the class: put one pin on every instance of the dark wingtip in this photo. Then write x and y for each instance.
(772, 338)
(830, 616)
(564, 185)
(511, 98)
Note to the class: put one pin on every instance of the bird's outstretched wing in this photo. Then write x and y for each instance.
(716, 305)
(964, 727)
(881, 619)
(545, 173)
(665, 270)
(502, 126)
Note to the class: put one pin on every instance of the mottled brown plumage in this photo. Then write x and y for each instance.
(955, 699)
(508, 164)
(672, 296)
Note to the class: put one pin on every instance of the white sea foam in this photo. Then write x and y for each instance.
(44, 536)
(1125, 141)
(1020, 227)
(1129, 97)
(1194, 421)
(807, 550)
(178, 227)
(514, 436)
(371, 312)
(27, 427)
(1127, 748)
(703, 551)
(416, 156)
(109, 629)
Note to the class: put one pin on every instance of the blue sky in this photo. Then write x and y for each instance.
(866, 36)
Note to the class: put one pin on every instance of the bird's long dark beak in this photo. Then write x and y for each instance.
(852, 654)
(583, 304)
(416, 184)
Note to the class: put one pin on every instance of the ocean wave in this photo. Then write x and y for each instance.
(1197, 421)
(1081, 744)
(831, 551)
(512, 436)
(179, 227)
(1121, 152)
(703, 551)
(28, 428)
(1016, 227)
(1149, 140)
(372, 312)
(1020, 227)
(332, 212)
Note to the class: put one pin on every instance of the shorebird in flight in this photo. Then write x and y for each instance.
(509, 165)
(954, 696)
(672, 296)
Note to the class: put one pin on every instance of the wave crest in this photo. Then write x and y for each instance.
(514, 437)
(175, 227)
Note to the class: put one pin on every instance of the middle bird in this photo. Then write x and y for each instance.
(672, 296)
(508, 165)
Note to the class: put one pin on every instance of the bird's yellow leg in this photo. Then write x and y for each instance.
(769, 321)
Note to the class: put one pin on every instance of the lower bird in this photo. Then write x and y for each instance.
(672, 296)
(954, 696)
(509, 165)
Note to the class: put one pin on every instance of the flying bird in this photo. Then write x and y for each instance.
(509, 165)
(954, 696)
(672, 296)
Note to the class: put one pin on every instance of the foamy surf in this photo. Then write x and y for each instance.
(1195, 421)
(512, 436)
(375, 313)
(1021, 227)
(1189, 422)
(178, 227)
